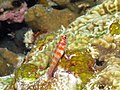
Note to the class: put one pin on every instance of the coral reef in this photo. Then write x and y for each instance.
(108, 49)
(57, 12)
(93, 48)
(90, 31)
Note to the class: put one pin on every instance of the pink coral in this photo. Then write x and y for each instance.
(16, 15)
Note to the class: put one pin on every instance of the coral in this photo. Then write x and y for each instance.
(55, 12)
(109, 77)
(76, 6)
(6, 4)
(83, 33)
(9, 56)
(26, 71)
(109, 49)
(88, 32)
(57, 82)
(46, 3)
(28, 38)
(41, 18)
(80, 64)
(108, 6)
(40, 59)
(117, 42)
(106, 41)
(12, 12)
(115, 28)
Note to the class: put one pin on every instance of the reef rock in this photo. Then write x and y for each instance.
(8, 62)
(47, 19)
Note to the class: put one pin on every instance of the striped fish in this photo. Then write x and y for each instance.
(58, 53)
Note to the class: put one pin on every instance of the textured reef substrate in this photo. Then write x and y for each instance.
(93, 43)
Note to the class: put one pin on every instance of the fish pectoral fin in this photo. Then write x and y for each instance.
(69, 56)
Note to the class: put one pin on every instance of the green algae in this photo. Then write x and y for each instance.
(79, 87)
(40, 60)
(50, 37)
(43, 40)
(40, 43)
(26, 71)
(81, 64)
(115, 28)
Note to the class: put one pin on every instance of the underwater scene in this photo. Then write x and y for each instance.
(59, 44)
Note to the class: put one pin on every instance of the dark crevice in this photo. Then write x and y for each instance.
(99, 63)
(58, 7)
(73, 1)
(15, 44)
(17, 3)
(31, 3)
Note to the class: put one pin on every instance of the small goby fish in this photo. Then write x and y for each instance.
(58, 53)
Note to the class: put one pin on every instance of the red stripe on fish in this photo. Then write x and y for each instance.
(53, 63)
(55, 58)
(58, 53)
(61, 48)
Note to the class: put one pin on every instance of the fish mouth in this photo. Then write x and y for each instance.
(14, 15)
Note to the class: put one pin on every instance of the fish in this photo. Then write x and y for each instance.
(57, 55)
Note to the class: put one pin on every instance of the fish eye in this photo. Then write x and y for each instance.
(16, 3)
(65, 36)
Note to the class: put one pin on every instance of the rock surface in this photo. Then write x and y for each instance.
(8, 62)
(47, 19)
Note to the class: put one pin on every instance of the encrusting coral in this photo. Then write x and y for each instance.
(12, 10)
